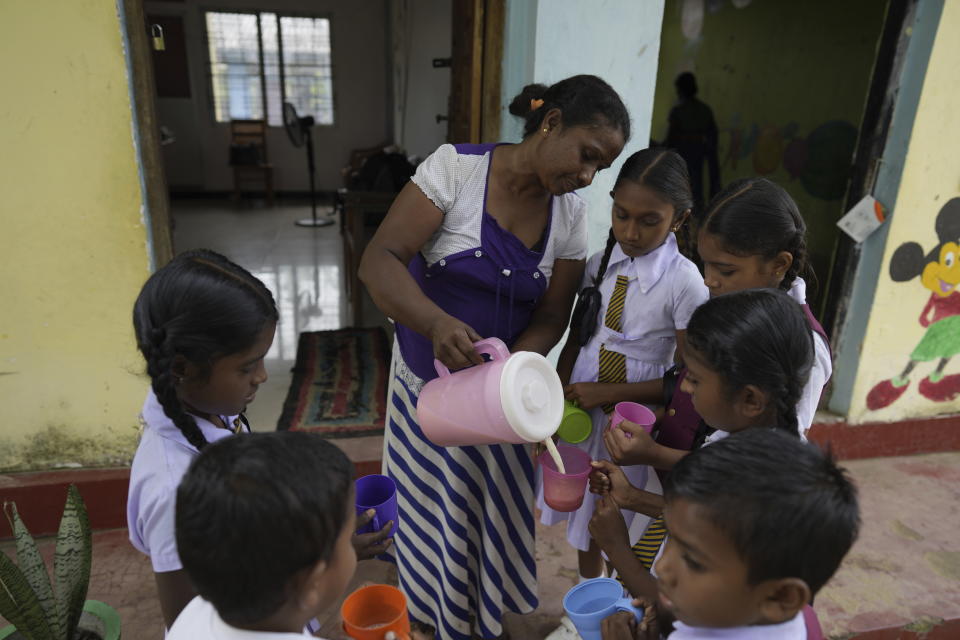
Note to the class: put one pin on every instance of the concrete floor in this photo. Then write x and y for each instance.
(903, 572)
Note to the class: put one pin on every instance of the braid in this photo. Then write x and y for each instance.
(605, 260)
(787, 412)
(587, 309)
(800, 267)
(159, 362)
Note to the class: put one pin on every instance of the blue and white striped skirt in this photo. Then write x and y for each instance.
(464, 546)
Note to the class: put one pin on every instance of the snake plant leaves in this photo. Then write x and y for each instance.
(20, 605)
(34, 570)
(72, 559)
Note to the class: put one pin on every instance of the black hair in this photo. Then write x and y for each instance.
(254, 511)
(582, 100)
(662, 170)
(908, 261)
(757, 217)
(202, 307)
(686, 84)
(789, 510)
(665, 172)
(756, 337)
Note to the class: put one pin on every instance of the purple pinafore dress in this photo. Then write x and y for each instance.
(464, 546)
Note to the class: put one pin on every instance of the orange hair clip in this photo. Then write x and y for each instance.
(535, 104)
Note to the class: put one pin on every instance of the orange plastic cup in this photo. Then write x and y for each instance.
(371, 612)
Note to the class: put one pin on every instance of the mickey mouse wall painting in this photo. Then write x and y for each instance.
(939, 272)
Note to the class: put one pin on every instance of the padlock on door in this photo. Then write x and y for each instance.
(157, 32)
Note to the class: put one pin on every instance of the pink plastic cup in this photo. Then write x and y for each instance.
(565, 491)
(632, 412)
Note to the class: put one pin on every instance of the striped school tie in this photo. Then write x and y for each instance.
(613, 365)
(646, 548)
(649, 543)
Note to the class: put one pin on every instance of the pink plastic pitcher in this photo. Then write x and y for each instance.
(513, 398)
(565, 491)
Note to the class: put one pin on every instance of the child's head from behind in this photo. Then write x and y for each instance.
(752, 236)
(264, 524)
(748, 356)
(204, 325)
(757, 523)
(651, 198)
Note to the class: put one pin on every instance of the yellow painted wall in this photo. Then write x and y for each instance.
(931, 177)
(73, 250)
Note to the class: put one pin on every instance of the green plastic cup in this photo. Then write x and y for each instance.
(576, 425)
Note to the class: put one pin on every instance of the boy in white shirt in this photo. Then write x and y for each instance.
(264, 525)
(757, 523)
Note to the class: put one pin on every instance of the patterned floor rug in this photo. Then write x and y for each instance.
(339, 383)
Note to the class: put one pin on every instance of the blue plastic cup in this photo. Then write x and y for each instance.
(589, 603)
(380, 494)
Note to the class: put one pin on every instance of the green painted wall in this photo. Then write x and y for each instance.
(787, 82)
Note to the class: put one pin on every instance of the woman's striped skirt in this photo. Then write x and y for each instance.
(464, 546)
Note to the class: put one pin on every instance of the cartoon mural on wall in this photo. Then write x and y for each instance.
(939, 272)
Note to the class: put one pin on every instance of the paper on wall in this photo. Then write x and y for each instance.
(863, 219)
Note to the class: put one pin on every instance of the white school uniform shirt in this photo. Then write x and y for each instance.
(820, 373)
(663, 291)
(162, 458)
(200, 620)
(793, 629)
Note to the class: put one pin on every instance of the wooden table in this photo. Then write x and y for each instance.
(358, 206)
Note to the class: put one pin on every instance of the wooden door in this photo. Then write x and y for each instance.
(145, 106)
(477, 52)
(877, 117)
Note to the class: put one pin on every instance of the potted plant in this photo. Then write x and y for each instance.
(27, 597)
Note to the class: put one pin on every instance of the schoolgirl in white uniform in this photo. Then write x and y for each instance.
(204, 326)
(638, 296)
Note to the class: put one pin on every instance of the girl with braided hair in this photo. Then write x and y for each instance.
(748, 357)
(754, 236)
(204, 326)
(638, 295)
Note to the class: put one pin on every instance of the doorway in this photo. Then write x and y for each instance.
(792, 87)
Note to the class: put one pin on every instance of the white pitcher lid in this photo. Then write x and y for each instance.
(531, 396)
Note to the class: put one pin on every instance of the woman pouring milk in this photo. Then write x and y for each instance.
(486, 240)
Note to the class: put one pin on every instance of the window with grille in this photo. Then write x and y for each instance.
(258, 61)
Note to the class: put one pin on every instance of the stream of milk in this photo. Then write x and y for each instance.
(557, 460)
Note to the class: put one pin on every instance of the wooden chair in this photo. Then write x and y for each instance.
(248, 156)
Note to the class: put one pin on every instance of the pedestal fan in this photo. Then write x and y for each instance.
(299, 130)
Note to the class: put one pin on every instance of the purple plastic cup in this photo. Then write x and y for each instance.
(565, 491)
(632, 412)
(380, 494)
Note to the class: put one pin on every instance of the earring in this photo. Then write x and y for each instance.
(544, 129)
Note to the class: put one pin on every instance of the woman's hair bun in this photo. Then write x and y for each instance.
(520, 106)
